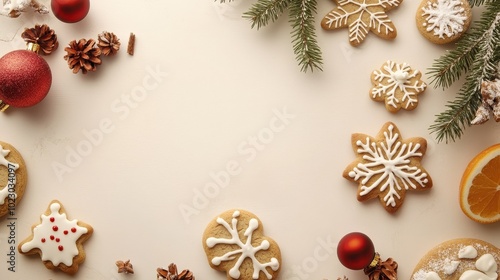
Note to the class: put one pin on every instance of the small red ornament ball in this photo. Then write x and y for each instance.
(25, 78)
(70, 11)
(355, 250)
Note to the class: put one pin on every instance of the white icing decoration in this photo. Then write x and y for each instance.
(445, 17)
(432, 276)
(486, 267)
(397, 77)
(17, 6)
(390, 163)
(64, 236)
(359, 28)
(11, 180)
(468, 252)
(246, 249)
(450, 267)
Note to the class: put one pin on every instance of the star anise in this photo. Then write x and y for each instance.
(125, 267)
(108, 43)
(171, 273)
(83, 55)
(43, 36)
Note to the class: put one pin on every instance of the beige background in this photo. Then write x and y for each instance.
(189, 104)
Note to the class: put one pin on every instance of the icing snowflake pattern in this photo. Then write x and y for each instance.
(362, 16)
(398, 85)
(388, 168)
(246, 250)
(444, 17)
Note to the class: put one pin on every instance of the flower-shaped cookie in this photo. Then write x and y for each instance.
(398, 85)
(387, 166)
(13, 179)
(234, 243)
(362, 16)
(57, 240)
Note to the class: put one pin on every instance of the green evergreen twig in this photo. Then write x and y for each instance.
(301, 18)
(304, 41)
(478, 55)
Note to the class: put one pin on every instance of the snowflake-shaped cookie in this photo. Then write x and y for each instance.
(443, 21)
(362, 16)
(398, 85)
(58, 240)
(234, 243)
(387, 166)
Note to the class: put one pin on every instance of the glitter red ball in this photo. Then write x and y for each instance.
(355, 250)
(70, 11)
(25, 78)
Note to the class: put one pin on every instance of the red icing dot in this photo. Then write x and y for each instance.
(52, 237)
(55, 228)
(60, 247)
(52, 219)
(65, 232)
(43, 240)
(73, 230)
(57, 239)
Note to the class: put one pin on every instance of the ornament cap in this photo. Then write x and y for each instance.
(34, 47)
(376, 259)
(3, 106)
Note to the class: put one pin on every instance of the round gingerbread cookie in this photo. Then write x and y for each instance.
(13, 178)
(443, 21)
(234, 242)
(464, 259)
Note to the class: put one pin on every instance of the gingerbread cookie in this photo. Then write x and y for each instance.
(398, 85)
(13, 178)
(361, 17)
(387, 166)
(464, 259)
(57, 240)
(443, 21)
(234, 243)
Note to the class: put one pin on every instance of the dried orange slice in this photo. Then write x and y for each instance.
(480, 187)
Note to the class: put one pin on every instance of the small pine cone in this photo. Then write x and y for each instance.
(171, 273)
(108, 43)
(83, 55)
(43, 36)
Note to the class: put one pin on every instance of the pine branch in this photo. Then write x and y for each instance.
(449, 68)
(264, 11)
(450, 124)
(480, 2)
(305, 46)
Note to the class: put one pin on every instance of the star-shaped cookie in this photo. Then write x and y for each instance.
(387, 166)
(362, 16)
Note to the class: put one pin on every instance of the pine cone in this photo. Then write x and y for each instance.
(108, 43)
(43, 36)
(83, 55)
(171, 273)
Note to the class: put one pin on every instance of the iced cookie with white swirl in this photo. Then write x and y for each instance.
(13, 179)
(234, 243)
(464, 259)
(443, 21)
(58, 240)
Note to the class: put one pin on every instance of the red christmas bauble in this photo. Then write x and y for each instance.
(355, 250)
(25, 78)
(70, 11)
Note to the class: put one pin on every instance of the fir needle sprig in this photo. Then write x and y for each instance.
(301, 18)
(476, 55)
